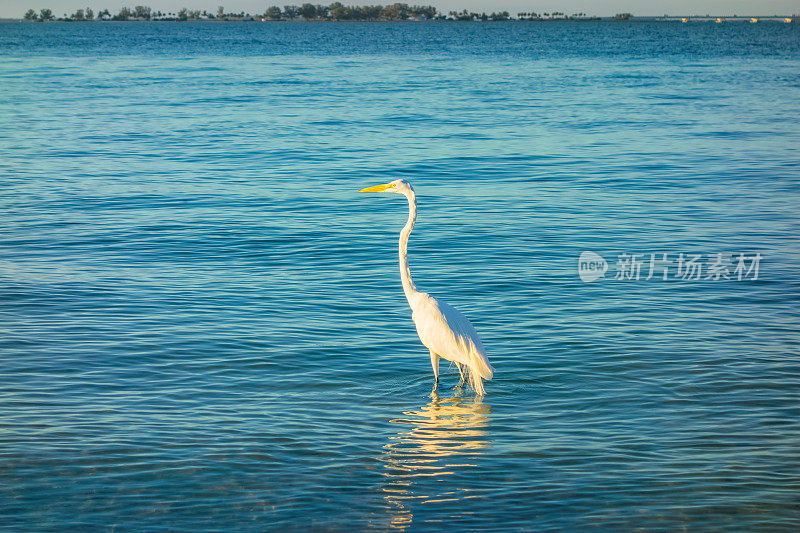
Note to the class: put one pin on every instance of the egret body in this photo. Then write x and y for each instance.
(442, 329)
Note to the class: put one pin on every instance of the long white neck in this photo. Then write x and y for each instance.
(405, 272)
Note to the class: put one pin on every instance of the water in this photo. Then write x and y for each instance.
(203, 326)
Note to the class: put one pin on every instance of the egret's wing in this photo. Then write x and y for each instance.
(445, 331)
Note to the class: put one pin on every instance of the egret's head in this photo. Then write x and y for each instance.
(400, 186)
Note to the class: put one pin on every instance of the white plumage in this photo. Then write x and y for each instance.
(441, 328)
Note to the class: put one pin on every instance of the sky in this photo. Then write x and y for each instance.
(16, 8)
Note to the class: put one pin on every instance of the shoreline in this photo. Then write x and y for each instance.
(734, 20)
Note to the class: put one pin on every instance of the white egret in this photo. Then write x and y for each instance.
(441, 328)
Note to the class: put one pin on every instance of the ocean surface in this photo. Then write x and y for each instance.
(202, 326)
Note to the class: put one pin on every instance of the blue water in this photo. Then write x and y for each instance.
(202, 322)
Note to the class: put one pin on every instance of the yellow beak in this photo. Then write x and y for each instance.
(377, 188)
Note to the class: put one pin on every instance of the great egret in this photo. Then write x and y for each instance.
(441, 328)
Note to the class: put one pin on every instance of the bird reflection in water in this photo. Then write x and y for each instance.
(443, 438)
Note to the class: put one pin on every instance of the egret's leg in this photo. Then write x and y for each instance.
(461, 371)
(435, 365)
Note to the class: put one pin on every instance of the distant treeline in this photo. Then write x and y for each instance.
(334, 11)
